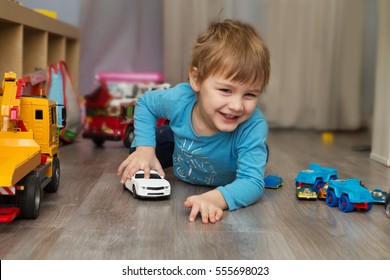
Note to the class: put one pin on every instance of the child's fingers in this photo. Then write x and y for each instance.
(218, 215)
(146, 172)
(159, 169)
(215, 214)
(127, 174)
(187, 204)
(194, 212)
(212, 218)
(122, 166)
(205, 215)
(126, 169)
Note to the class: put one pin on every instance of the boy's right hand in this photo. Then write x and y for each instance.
(143, 158)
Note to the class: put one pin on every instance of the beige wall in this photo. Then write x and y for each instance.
(381, 124)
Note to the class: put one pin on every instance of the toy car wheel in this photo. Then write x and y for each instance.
(129, 136)
(135, 195)
(331, 199)
(369, 206)
(387, 209)
(30, 198)
(318, 184)
(98, 142)
(345, 205)
(52, 187)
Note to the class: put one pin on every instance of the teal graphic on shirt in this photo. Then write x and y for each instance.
(189, 159)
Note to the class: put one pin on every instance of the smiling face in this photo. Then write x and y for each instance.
(222, 104)
(229, 68)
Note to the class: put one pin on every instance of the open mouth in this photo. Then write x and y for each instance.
(228, 116)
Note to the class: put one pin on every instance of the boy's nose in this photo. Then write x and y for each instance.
(235, 104)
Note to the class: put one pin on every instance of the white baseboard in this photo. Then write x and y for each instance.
(380, 159)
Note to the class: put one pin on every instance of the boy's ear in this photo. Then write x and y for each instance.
(193, 77)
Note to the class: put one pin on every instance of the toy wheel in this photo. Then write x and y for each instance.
(318, 184)
(52, 187)
(135, 195)
(331, 198)
(129, 136)
(98, 142)
(30, 198)
(387, 209)
(344, 204)
(369, 206)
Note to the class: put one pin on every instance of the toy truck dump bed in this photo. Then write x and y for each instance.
(18, 156)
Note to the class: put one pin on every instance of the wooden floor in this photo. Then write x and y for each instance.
(93, 217)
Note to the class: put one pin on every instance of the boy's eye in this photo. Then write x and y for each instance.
(251, 95)
(225, 90)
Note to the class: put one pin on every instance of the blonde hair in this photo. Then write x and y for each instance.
(233, 49)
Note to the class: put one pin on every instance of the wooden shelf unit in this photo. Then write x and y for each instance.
(30, 40)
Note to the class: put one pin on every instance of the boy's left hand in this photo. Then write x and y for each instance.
(210, 205)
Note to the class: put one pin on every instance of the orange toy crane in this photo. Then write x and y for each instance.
(10, 103)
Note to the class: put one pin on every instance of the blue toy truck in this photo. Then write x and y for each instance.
(379, 196)
(315, 178)
(348, 195)
(273, 181)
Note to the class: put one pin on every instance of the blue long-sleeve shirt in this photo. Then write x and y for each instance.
(234, 161)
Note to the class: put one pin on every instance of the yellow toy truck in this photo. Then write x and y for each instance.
(29, 159)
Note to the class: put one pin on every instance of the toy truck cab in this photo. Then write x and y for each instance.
(348, 195)
(315, 177)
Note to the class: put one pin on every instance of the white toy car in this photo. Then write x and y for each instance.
(155, 186)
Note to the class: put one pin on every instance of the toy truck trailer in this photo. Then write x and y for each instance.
(29, 159)
(349, 194)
